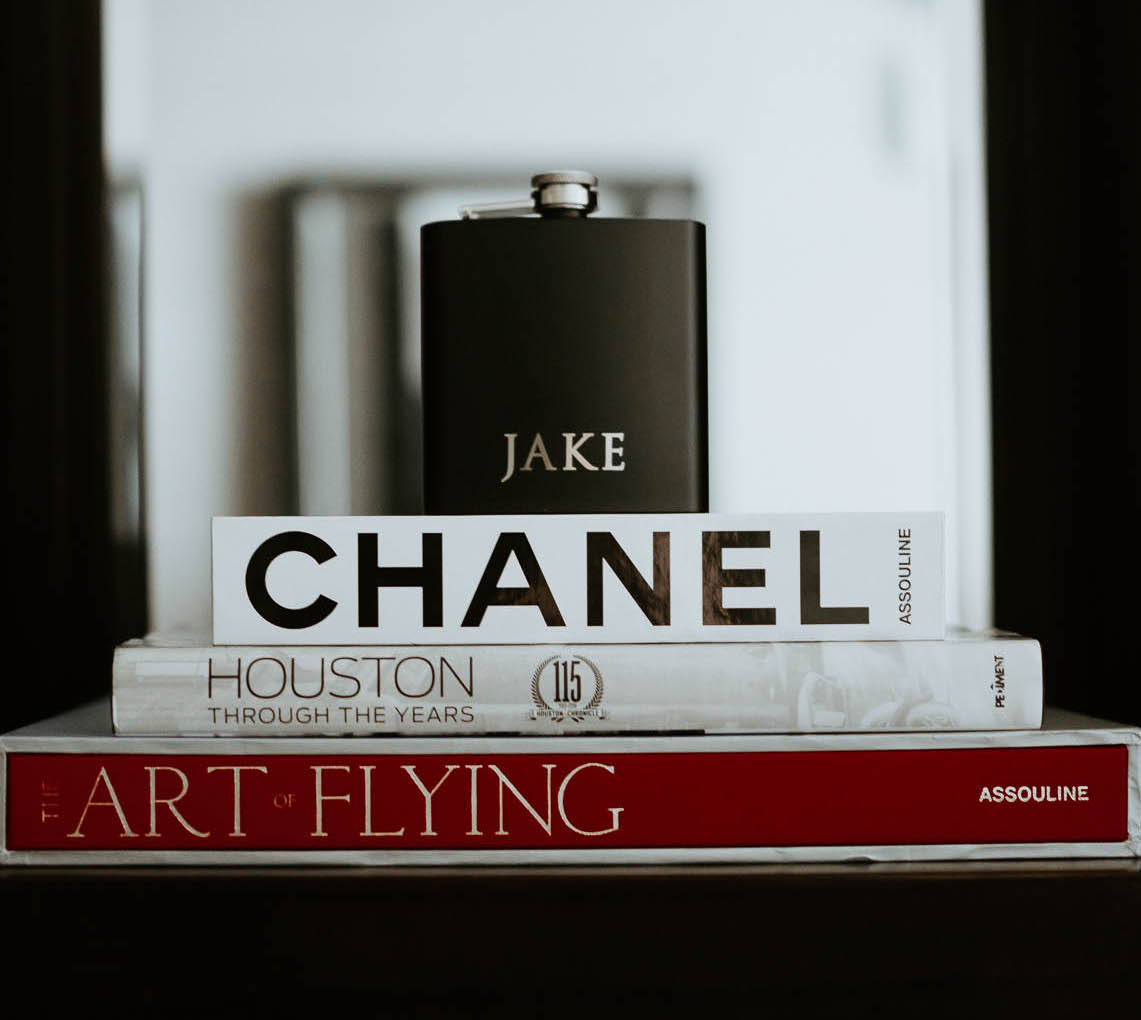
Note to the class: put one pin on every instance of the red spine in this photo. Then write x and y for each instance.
(441, 801)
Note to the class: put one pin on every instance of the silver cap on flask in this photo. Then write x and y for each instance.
(554, 194)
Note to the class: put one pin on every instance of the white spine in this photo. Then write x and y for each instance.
(969, 683)
(731, 577)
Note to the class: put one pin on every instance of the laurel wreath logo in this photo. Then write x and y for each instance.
(558, 714)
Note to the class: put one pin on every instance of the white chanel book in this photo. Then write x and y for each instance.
(567, 579)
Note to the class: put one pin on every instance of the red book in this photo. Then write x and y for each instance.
(73, 792)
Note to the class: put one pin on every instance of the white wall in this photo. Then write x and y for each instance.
(837, 146)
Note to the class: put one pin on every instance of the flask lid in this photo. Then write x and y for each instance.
(554, 194)
(571, 192)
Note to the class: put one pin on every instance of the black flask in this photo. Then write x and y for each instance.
(563, 358)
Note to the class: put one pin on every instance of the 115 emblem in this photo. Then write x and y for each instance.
(567, 687)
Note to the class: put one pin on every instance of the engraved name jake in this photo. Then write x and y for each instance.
(574, 453)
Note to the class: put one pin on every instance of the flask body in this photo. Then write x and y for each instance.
(564, 366)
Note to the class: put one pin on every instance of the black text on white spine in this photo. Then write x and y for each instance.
(602, 549)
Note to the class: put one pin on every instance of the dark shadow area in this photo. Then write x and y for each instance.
(1065, 275)
(59, 563)
(901, 940)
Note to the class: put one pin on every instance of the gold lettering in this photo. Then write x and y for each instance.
(428, 795)
(614, 811)
(474, 830)
(92, 802)
(367, 770)
(238, 770)
(504, 781)
(170, 801)
(321, 796)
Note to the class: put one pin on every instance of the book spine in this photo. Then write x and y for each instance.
(1051, 796)
(586, 578)
(536, 689)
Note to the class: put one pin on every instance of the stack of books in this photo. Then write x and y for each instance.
(589, 688)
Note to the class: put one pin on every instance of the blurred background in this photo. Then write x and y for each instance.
(213, 213)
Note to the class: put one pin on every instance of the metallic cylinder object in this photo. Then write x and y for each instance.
(556, 192)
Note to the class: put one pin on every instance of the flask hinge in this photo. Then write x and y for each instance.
(555, 194)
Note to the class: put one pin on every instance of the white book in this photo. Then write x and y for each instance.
(565, 579)
(982, 681)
